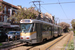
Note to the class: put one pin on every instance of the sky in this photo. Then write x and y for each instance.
(65, 15)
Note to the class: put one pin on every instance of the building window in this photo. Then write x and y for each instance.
(16, 12)
(1, 7)
(9, 11)
(4, 10)
(5, 18)
(0, 18)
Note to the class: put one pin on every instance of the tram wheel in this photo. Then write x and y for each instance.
(29, 43)
(44, 40)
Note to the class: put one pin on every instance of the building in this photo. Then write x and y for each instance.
(19, 6)
(47, 17)
(6, 10)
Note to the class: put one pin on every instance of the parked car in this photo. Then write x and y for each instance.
(12, 35)
(3, 36)
(18, 34)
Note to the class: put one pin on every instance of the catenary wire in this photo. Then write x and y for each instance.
(57, 3)
(62, 9)
(45, 9)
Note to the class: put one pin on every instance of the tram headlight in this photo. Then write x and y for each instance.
(27, 38)
(21, 38)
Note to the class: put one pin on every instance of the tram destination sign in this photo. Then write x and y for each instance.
(25, 21)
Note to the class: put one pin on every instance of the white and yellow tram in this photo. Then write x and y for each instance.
(35, 31)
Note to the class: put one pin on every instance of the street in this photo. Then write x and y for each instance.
(57, 46)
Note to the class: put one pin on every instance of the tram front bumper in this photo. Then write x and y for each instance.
(28, 41)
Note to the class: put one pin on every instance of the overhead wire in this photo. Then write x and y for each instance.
(45, 9)
(42, 7)
(62, 9)
(57, 3)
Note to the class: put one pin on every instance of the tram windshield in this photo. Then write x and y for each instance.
(26, 27)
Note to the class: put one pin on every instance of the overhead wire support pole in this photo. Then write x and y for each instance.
(39, 7)
(39, 16)
(35, 6)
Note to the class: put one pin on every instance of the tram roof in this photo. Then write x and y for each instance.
(57, 26)
(36, 21)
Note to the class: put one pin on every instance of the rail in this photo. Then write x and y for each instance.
(55, 42)
(68, 42)
(15, 44)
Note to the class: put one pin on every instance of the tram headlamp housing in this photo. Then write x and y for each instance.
(27, 38)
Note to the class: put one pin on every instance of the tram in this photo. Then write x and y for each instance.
(36, 31)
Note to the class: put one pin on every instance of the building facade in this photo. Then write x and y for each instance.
(6, 10)
(47, 17)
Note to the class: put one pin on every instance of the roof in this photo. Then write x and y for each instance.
(10, 4)
(37, 21)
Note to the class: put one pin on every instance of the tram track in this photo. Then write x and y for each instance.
(39, 46)
(49, 44)
(57, 40)
(68, 42)
(9, 44)
(15, 44)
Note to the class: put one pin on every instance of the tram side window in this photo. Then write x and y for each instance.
(55, 28)
(50, 28)
(61, 30)
(32, 28)
(44, 27)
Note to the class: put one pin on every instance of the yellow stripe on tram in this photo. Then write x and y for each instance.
(27, 34)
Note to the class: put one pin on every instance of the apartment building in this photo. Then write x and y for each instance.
(6, 10)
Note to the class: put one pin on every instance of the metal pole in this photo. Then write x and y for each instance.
(39, 9)
(39, 6)
(59, 21)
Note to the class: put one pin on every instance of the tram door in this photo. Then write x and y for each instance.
(39, 32)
